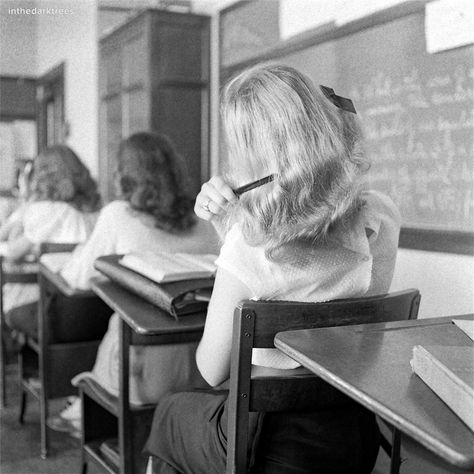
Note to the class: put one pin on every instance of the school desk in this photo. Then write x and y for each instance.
(371, 364)
(106, 416)
(67, 344)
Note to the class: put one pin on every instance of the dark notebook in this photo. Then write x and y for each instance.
(177, 298)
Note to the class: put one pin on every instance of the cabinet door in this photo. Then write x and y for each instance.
(134, 62)
(135, 112)
(179, 116)
(111, 79)
(111, 134)
(181, 51)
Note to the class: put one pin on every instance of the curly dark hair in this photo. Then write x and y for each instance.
(59, 175)
(151, 177)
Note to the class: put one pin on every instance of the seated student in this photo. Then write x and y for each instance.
(310, 235)
(62, 208)
(153, 213)
(11, 227)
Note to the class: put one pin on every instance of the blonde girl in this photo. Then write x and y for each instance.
(309, 233)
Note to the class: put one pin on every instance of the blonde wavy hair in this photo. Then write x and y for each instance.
(277, 122)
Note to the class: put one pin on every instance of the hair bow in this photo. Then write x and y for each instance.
(342, 102)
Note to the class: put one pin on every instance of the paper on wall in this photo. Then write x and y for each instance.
(449, 24)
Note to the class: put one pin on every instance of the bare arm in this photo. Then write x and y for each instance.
(213, 353)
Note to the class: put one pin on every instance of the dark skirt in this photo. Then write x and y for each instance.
(189, 436)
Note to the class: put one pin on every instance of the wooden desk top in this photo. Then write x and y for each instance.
(370, 363)
(61, 284)
(143, 317)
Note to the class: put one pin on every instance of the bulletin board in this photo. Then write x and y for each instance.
(417, 112)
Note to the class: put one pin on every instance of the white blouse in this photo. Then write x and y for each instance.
(57, 222)
(47, 221)
(120, 229)
(355, 263)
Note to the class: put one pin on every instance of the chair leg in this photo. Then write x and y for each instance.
(395, 459)
(385, 444)
(21, 416)
(23, 394)
(3, 356)
(44, 427)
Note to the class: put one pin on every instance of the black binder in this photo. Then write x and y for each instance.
(177, 298)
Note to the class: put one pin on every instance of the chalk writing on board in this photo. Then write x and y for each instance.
(419, 133)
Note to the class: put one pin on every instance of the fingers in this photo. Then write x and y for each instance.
(201, 208)
(223, 188)
(214, 198)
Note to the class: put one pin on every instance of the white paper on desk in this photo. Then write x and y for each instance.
(449, 24)
(465, 325)
(55, 261)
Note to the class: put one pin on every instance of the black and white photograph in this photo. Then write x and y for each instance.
(236, 236)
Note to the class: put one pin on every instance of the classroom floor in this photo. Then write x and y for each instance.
(19, 445)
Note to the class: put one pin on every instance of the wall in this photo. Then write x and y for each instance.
(446, 281)
(17, 40)
(72, 38)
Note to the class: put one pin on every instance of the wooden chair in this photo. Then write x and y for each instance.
(71, 325)
(255, 325)
(22, 273)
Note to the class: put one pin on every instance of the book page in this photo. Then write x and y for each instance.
(164, 267)
(202, 261)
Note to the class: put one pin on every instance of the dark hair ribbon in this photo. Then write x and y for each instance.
(342, 102)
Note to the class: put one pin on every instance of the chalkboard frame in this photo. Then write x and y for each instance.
(432, 240)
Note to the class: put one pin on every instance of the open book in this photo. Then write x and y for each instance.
(165, 267)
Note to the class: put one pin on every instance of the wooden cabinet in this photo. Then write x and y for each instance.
(154, 75)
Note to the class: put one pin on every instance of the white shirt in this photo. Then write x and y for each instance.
(47, 221)
(358, 262)
(57, 222)
(120, 229)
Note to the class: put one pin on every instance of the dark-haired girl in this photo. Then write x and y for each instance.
(154, 213)
(62, 208)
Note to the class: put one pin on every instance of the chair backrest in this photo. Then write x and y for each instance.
(255, 326)
(53, 247)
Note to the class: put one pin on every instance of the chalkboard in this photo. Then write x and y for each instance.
(417, 112)
(248, 28)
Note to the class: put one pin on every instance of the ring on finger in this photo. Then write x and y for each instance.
(206, 206)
